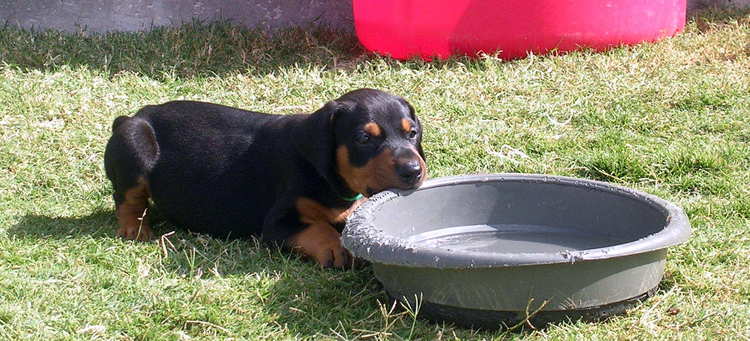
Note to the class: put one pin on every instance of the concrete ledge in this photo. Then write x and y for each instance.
(139, 15)
(698, 4)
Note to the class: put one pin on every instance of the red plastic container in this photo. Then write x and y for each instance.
(405, 29)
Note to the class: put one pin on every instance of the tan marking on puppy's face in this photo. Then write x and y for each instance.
(406, 125)
(376, 175)
(373, 129)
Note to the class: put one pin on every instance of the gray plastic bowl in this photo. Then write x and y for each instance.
(490, 250)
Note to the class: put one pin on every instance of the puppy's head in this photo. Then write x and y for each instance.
(374, 140)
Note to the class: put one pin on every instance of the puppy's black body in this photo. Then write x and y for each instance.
(230, 172)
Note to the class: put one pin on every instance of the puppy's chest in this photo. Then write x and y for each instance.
(313, 212)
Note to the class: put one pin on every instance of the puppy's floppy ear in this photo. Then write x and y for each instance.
(414, 118)
(315, 139)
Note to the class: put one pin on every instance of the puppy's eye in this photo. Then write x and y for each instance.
(362, 137)
(412, 134)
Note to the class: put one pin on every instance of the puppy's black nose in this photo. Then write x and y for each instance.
(410, 172)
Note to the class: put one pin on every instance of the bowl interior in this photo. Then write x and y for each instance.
(518, 216)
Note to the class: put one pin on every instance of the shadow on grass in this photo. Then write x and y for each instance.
(185, 252)
(303, 299)
(313, 302)
(191, 50)
(100, 223)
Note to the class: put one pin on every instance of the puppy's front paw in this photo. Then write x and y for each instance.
(334, 256)
(322, 243)
(132, 220)
(139, 232)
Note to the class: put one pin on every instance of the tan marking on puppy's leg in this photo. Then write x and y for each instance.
(132, 214)
(311, 211)
(321, 242)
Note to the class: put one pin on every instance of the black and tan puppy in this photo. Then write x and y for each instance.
(290, 179)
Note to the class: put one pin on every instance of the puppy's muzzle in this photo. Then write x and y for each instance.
(409, 172)
(409, 167)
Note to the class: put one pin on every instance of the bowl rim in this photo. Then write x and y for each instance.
(365, 241)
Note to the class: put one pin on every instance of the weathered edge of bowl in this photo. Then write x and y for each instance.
(365, 241)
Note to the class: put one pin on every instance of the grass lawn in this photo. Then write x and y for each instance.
(671, 118)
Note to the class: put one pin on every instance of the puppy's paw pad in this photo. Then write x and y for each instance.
(335, 256)
(142, 233)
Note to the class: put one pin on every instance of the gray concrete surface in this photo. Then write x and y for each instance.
(697, 4)
(138, 15)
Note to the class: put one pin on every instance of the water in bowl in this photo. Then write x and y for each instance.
(512, 238)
